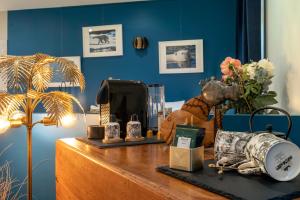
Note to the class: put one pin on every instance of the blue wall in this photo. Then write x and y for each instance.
(58, 32)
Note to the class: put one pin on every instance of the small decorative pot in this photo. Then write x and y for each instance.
(134, 129)
(95, 132)
(273, 156)
(112, 131)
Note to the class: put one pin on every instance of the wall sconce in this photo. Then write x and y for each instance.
(140, 42)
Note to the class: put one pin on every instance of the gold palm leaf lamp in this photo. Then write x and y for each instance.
(28, 77)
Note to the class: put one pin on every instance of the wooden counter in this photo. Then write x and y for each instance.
(89, 173)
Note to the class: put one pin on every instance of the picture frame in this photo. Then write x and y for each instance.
(181, 56)
(58, 79)
(102, 41)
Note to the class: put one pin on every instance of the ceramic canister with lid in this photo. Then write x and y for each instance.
(112, 129)
(133, 128)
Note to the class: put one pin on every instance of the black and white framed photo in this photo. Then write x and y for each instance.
(182, 56)
(58, 80)
(101, 41)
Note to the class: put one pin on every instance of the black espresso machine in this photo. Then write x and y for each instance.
(123, 98)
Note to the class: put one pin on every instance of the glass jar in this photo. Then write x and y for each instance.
(156, 105)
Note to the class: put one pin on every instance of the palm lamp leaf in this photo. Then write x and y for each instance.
(16, 70)
(42, 77)
(10, 103)
(68, 68)
(71, 72)
(58, 104)
(35, 70)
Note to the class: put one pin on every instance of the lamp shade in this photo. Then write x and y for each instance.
(17, 115)
(4, 124)
(68, 120)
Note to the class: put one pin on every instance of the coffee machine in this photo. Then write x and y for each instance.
(123, 98)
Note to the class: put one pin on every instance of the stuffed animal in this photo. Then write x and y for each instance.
(196, 111)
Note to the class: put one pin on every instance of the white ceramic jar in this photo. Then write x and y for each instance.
(112, 130)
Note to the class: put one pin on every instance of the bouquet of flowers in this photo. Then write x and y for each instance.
(253, 79)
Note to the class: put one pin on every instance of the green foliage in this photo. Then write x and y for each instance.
(254, 80)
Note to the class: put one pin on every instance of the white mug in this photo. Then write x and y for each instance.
(274, 156)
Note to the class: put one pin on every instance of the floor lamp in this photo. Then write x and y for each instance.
(28, 78)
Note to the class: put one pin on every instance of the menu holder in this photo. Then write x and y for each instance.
(187, 159)
(188, 135)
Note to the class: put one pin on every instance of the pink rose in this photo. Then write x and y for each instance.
(226, 62)
(228, 59)
(225, 70)
(236, 64)
(225, 77)
(225, 66)
(229, 63)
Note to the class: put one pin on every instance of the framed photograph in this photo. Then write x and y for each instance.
(183, 56)
(58, 78)
(100, 41)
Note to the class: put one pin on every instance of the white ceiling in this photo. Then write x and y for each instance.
(31, 4)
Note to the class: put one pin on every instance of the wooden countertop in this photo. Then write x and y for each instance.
(135, 164)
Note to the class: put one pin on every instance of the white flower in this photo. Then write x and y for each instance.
(251, 69)
(267, 65)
